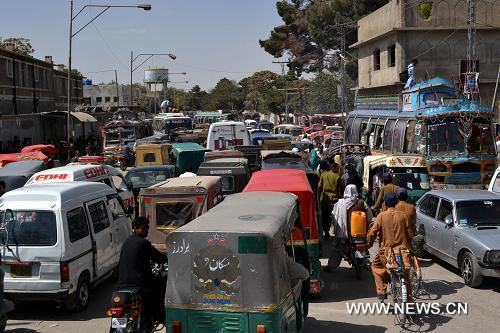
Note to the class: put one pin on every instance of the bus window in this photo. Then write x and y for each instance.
(415, 137)
(356, 130)
(399, 132)
(388, 134)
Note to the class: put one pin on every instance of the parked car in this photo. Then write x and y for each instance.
(462, 228)
(16, 174)
(143, 177)
(60, 239)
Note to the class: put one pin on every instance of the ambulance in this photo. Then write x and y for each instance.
(227, 134)
(61, 239)
(87, 172)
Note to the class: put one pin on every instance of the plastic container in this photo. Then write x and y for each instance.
(358, 224)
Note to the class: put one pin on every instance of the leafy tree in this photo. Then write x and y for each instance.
(322, 96)
(310, 31)
(196, 99)
(226, 95)
(262, 94)
(18, 45)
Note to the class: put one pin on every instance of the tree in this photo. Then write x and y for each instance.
(310, 31)
(226, 95)
(196, 99)
(262, 92)
(18, 45)
(322, 96)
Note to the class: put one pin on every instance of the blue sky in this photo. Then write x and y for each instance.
(212, 39)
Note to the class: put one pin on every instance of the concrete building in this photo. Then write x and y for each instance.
(106, 95)
(33, 99)
(432, 31)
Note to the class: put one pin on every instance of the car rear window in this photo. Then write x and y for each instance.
(174, 214)
(28, 228)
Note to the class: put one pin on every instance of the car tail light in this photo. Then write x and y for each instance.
(176, 326)
(315, 287)
(64, 270)
(360, 247)
(115, 311)
(261, 329)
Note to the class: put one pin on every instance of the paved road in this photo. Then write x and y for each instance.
(327, 314)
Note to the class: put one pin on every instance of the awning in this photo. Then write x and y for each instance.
(81, 116)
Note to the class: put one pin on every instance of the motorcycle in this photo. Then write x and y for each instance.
(127, 310)
(6, 306)
(123, 160)
(354, 251)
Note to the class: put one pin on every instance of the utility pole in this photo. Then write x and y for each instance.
(471, 88)
(343, 83)
(117, 90)
(282, 63)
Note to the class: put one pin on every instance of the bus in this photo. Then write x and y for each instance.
(205, 119)
(117, 133)
(289, 129)
(166, 123)
(455, 136)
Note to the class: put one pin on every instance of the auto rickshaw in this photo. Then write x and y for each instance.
(350, 154)
(232, 268)
(188, 156)
(296, 182)
(153, 154)
(234, 173)
(408, 171)
(213, 155)
(276, 143)
(175, 202)
(252, 154)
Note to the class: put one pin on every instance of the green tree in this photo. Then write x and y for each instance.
(18, 45)
(196, 99)
(322, 96)
(226, 95)
(261, 92)
(310, 31)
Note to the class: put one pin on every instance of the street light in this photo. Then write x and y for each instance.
(145, 7)
(151, 55)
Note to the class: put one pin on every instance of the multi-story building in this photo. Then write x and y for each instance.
(33, 98)
(109, 94)
(432, 31)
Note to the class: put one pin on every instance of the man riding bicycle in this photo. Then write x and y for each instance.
(392, 229)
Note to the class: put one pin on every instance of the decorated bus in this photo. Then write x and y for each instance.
(431, 120)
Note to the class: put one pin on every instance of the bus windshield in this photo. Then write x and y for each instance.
(411, 179)
(449, 136)
(172, 124)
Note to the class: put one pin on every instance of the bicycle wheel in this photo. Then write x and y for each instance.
(415, 276)
(397, 297)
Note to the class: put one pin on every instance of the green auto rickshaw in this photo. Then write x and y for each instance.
(231, 271)
(188, 156)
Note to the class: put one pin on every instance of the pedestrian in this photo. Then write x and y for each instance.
(388, 187)
(76, 157)
(2, 187)
(392, 230)
(408, 209)
(411, 74)
(351, 177)
(314, 159)
(327, 188)
(341, 221)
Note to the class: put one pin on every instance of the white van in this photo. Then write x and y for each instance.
(61, 239)
(87, 172)
(227, 134)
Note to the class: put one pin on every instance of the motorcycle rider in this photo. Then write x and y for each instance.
(134, 269)
(392, 229)
(341, 219)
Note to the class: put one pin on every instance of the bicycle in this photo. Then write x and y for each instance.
(398, 286)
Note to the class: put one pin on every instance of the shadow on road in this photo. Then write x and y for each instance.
(20, 330)
(322, 326)
(45, 311)
(436, 289)
(335, 286)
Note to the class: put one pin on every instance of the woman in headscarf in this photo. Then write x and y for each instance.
(341, 220)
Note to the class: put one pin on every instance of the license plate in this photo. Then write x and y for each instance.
(21, 271)
(118, 322)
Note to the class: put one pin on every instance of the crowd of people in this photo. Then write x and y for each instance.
(340, 196)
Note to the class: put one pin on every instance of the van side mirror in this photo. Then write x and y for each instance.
(448, 220)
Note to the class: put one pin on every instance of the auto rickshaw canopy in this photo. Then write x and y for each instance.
(292, 181)
(233, 257)
(188, 156)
